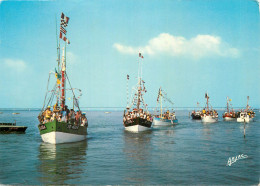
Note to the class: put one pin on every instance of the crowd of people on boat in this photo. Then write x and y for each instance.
(210, 112)
(63, 115)
(131, 115)
(167, 115)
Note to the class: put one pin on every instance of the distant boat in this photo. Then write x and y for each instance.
(167, 118)
(107, 112)
(243, 117)
(246, 115)
(62, 125)
(229, 114)
(196, 115)
(11, 128)
(15, 113)
(209, 115)
(136, 118)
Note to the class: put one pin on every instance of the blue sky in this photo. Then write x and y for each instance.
(189, 47)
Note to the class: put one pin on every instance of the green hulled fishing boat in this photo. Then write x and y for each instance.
(62, 125)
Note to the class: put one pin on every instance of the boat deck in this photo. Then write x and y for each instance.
(11, 127)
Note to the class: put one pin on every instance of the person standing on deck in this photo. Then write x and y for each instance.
(48, 114)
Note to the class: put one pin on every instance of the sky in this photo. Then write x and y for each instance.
(189, 46)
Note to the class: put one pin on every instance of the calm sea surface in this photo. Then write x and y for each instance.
(190, 153)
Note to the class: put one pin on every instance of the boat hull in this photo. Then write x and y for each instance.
(196, 116)
(229, 119)
(12, 129)
(136, 128)
(244, 119)
(55, 132)
(61, 137)
(138, 125)
(164, 122)
(209, 119)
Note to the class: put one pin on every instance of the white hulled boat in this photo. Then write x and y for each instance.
(246, 115)
(209, 115)
(166, 118)
(229, 114)
(136, 117)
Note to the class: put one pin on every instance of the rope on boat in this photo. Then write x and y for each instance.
(74, 97)
(46, 92)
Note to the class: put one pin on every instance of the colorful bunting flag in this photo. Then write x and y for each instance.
(63, 30)
(64, 38)
(58, 76)
(140, 55)
(63, 24)
(64, 20)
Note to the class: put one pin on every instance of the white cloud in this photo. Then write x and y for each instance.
(197, 47)
(71, 58)
(15, 64)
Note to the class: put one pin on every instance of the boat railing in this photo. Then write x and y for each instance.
(13, 124)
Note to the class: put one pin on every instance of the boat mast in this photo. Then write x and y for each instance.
(160, 92)
(63, 25)
(58, 63)
(207, 101)
(63, 71)
(139, 82)
(247, 106)
(227, 104)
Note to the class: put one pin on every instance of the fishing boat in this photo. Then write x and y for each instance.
(136, 117)
(229, 114)
(62, 125)
(209, 115)
(196, 115)
(166, 118)
(242, 116)
(247, 114)
(11, 128)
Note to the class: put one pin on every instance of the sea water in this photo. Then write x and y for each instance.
(189, 153)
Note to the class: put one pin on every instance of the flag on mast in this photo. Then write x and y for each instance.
(58, 76)
(63, 30)
(64, 20)
(63, 24)
(64, 38)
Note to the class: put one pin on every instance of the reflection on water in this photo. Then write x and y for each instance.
(137, 149)
(62, 162)
(164, 130)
